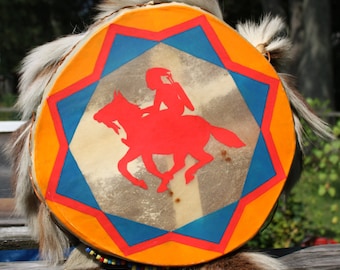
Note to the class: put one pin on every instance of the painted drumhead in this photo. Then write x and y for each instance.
(164, 138)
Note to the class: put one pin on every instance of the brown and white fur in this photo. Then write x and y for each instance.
(38, 68)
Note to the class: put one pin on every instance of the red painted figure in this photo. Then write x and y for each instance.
(165, 132)
(168, 92)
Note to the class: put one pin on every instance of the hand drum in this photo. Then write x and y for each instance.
(164, 138)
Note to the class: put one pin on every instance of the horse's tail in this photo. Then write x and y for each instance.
(226, 137)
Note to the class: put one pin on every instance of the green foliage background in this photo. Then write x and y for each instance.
(313, 206)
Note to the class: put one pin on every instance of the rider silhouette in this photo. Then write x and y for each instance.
(163, 131)
(168, 92)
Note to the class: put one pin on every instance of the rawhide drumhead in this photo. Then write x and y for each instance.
(164, 138)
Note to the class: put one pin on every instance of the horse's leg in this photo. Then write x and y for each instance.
(203, 158)
(122, 167)
(166, 177)
(151, 166)
(179, 163)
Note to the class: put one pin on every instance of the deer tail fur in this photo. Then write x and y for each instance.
(52, 242)
(36, 72)
(26, 202)
(37, 69)
(268, 37)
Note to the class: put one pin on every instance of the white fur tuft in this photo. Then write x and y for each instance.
(264, 261)
(52, 241)
(265, 33)
(80, 260)
(303, 111)
(37, 69)
(266, 37)
(25, 200)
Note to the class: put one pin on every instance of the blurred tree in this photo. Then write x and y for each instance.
(241, 10)
(24, 24)
(315, 65)
(275, 7)
(335, 7)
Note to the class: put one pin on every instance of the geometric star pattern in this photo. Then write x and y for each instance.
(123, 44)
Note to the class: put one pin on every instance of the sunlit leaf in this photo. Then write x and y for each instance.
(332, 192)
(322, 190)
(335, 220)
(334, 159)
(334, 207)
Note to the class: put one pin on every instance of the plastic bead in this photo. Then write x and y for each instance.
(113, 261)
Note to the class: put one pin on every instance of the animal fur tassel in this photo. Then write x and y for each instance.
(267, 38)
(27, 204)
(37, 70)
(53, 242)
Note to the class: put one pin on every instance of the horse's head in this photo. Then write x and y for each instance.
(116, 110)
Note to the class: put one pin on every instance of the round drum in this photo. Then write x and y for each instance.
(164, 138)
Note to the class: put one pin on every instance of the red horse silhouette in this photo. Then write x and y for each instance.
(162, 132)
